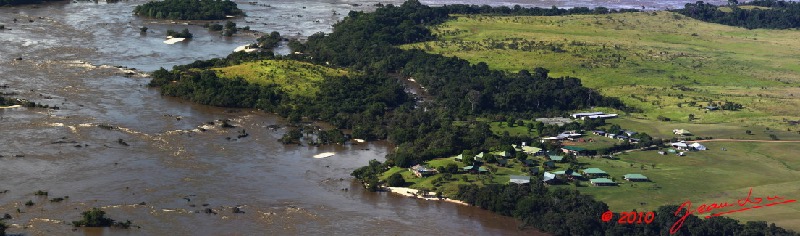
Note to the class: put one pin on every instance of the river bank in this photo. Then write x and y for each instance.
(415, 193)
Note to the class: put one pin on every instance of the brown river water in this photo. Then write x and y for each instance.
(166, 172)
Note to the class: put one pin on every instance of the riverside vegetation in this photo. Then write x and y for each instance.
(369, 100)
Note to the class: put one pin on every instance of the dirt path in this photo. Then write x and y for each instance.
(748, 140)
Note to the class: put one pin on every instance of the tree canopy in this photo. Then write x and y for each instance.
(769, 14)
(189, 9)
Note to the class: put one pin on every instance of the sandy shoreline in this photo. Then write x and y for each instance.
(410, 192)
(9, 107)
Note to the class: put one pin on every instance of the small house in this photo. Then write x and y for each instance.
(594, 172)
(556, 158)
(567, 174)
(549, 164)
(599, 132)
(475, 169)
(573, 150)
(602, 182)
(680, 145)
(422, 171)
(534, 170)
(530, 150)
(504, 154)
(585, 114)
(630, 133)
(528, 162)
(502, 161)
(549, 177)
(610, 135)
(519, 179)
(681, 132)
(479, 157)
(636, 178)
(698, 146)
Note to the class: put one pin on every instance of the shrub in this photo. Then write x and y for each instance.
(94, 218)
(396, 180)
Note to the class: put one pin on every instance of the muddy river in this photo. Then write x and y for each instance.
(162, 162)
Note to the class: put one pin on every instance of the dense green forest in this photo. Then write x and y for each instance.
(374, 105)
(189, 9)
(770, 14)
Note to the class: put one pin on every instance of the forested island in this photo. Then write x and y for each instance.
(189, 9)
(369, 100)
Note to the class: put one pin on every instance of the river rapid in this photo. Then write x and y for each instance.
(161, 162)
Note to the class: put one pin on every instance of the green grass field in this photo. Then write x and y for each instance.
(500, 175)
(717, 131)
(706, 177)
(660, 62)
(294, 77)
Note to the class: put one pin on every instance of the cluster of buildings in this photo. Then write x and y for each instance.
(596, 177)
(622, 135)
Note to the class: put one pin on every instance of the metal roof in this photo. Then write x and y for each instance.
(635, 176)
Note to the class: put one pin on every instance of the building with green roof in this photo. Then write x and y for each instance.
(556, 158)
(475, 169)
(573, 150)
(594, 172)
(636, 177)
(602, 182)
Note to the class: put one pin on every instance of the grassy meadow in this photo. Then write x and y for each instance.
(663, 63)
(671, 66)
(294, 77)
(706, 177)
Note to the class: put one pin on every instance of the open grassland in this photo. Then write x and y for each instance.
(299, 79)
(706, 177)
(717, 131)
(663, 63)
(448, 187)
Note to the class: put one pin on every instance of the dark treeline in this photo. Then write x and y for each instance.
(567, 212)
(189, 9)
(533, 11)
(780, 15)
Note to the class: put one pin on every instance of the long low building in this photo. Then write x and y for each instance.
(585, 114)
(636, 178)
(519, 179)
(602, 182)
